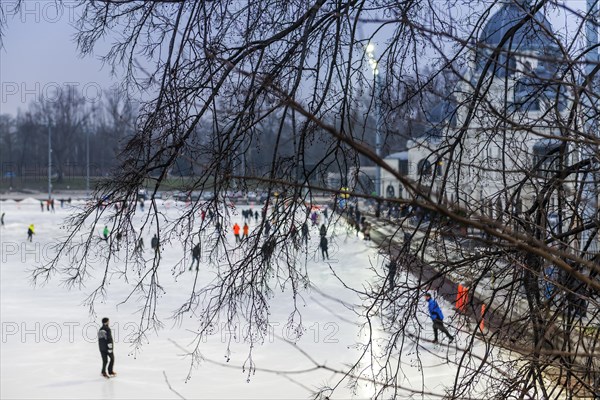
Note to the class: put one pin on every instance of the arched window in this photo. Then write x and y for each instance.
(390, 191)
(424, 167)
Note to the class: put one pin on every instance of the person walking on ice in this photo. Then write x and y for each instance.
(154, 243)
(105, 233)
(105, 343)
(245, 231)
(323, 245)
(392, 267)
(139, 246)
(304, 231)
(323, 230)
(196, 256)
(435, 312)
(30, 232)
(236, 232)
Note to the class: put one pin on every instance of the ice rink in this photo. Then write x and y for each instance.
(49, 347)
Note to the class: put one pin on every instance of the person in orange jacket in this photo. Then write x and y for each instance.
(236, 232)
(245, 230)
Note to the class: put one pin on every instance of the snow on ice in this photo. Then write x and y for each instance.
(49, 346)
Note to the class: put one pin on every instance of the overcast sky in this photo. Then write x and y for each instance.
(40, 56)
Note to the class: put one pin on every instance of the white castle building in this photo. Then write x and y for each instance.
(494, 143)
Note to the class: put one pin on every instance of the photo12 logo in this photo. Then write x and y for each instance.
(50, 92)
(317, 332)
(128, 332)
(71, 332)
(52, 12)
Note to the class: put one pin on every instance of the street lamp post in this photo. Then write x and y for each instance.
(591, 185)
(49, 160)
(87, 163)
(370, 51)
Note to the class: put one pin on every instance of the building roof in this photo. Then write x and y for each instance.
(535, 35)
(401, 155)
(546, 146)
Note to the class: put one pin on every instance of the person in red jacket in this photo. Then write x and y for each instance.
(236, 232)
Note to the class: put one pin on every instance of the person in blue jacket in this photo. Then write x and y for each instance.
(435, 312)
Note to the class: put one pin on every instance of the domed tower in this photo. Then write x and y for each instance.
(521, 48)
(520, 37)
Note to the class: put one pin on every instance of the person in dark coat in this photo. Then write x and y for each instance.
(367, 231)
(154, 243)
(323, 230)
(196, 256)
(435, 312)
(139, 246)
(392, 267)
(304, 230)
(105, 343)
(267, 250)
(119, 236)
(323, 245)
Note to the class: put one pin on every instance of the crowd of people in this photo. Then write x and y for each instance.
(265, 224)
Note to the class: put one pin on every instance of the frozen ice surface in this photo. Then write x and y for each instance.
(49, 347)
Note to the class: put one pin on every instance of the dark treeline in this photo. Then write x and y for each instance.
(74, 123)
(107, 123)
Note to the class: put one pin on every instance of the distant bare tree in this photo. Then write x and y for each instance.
(67, 114)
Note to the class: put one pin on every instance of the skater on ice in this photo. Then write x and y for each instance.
(105, 343)
(139, 247)
(154, 243)
(267, 250)
(196, 256)
(323, 230)
(367, 231)
(30, 232)
(105, 233)
(392, 267)
(245, 231)
(435, 312)
(323, 245)
(236, 232)
(119, 236)
(304, 230)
